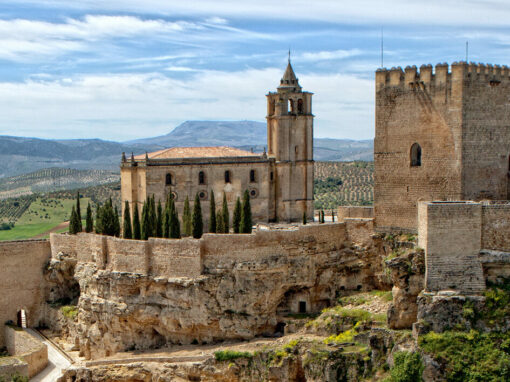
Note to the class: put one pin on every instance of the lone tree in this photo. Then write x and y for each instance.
(89, 222)
(236, 219)
(186, 218)
(196, 220)
(246, 223)
(212, 214)
(220, 226)
(136, 224)
(78, 210)
(224, 215)
(74, 227)
(127, 230)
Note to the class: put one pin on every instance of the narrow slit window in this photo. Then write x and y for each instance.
(252, 176)
(168, 180)
(227, 176)
(201, 177)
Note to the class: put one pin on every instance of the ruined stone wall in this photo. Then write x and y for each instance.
(22, 283)
(450, 234)
(496, 226)
(160, 257)
(423, 108)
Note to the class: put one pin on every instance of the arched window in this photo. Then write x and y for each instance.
(291, 106)
(252, 176)
(415, 155)
(168, 180)
(300, 106)
(227, 176)
(201, 177)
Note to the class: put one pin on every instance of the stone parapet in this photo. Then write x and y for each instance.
(22, 345)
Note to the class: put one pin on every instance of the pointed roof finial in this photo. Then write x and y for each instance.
(289, 81)
(289, 55)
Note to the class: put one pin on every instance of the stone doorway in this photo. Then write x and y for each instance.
(22, 319)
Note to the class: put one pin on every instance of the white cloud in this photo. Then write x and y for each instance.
(329, 55)
(433, 12)
(122, 107)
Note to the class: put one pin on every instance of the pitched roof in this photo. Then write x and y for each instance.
(197, 152)
(289, 79)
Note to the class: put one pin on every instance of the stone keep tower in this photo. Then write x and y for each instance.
(290, 143)
(440, 135)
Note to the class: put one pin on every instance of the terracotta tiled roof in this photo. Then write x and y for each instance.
(197, 152)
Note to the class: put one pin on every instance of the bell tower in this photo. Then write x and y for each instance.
(290, 143)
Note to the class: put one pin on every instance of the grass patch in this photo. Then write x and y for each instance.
(69, 311)
(385, 295)
(470, 356)
(229, 355)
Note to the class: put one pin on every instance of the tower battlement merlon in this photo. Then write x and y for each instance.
(442, 75)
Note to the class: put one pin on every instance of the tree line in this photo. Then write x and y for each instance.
(158, 221)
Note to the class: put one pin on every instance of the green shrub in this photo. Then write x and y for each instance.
(408, 367)
(69, 311)
(228, 355)
(472, 356)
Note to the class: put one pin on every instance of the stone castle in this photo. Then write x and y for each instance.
(280, 182)
(441, 135)
(442, 161)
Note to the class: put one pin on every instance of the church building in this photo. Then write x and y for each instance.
(279, 181)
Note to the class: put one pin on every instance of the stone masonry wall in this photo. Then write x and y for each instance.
(496, 226)
(21, 280)
(354, 212)
(22, 345)
(450, 233)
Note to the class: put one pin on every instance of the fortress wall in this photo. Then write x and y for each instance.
(221, 250)
(344, 212)
(175, 258)
(22, 282)
(450, 233)
(359, 230)
(496, 226)
(126, 255)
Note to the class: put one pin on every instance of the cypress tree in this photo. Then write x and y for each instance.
(246, 222)
(127, 230)
(116, 223)
(99, 219)
(159, 220)
(224, 215)
(236, 218)
(145, 219)
(332, 216)
(212, 214)
(89, 223)
(175, 226)
(136, 223)
(186, 218)
(196, 220)
(304, 218)
(73, 222)
(220, 226)
(78, 211)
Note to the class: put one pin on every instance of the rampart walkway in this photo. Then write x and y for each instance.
(57, 361)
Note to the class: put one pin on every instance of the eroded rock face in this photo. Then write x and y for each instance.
(408, 277)
(120, 311)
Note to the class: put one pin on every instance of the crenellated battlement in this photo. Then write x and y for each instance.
(442, 75)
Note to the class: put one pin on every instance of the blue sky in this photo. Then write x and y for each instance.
(126, 69)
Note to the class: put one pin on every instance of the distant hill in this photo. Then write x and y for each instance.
(20, 155)
(210, 133)
(54, 179)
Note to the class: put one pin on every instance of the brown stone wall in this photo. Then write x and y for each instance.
(496, 226)
(179, 258)
(450, 233)
(344, 212)
(421, 108)
(21, 344)
(486, 133)
(21, 280)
